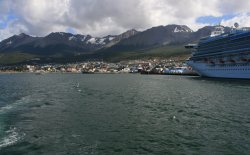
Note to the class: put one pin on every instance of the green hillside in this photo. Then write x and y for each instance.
(15, 57)
(159, 52)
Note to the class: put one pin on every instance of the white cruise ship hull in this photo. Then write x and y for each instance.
(221, 71)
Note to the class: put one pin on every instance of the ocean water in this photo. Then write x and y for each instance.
(71, 114)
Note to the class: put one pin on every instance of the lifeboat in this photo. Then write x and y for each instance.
(221, 61)
(231, 60)
(211, 62)
(243, 60)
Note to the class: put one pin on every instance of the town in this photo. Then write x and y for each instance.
(150, 66)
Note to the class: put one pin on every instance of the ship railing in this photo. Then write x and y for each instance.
(240, 35)
(243, 29)
(208, 39)
(221, 52)
(225, 59)
(222, 43)
(223, 48)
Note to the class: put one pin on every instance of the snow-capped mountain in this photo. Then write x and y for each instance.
(163, 36)
(60, 42)
(67, 44)
(54, 42)
(157, 36)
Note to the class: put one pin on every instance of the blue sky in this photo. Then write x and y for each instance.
(214, 20)
(70, 30)
(6, 19)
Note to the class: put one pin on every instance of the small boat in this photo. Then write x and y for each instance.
(86, 72)
(40, 72)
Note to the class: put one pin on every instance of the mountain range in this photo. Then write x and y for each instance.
(160, 41)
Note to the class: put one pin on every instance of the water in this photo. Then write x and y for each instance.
(61, 114)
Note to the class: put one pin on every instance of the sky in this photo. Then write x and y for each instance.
(112, 17)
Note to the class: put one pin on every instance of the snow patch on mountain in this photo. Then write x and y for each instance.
(101, 41)
(111, 38)
(182, 29)
(177, 30)
(97, 41)
(83, 39)
(72, 38)
(9, 43)
(92, 41)
(61, 33)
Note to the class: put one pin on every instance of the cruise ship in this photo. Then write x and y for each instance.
(222, 55)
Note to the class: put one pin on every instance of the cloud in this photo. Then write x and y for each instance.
(234, 6)
(243, 19)
(103, 17)
(13, 27)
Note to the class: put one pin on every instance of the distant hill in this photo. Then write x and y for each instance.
(63, 47)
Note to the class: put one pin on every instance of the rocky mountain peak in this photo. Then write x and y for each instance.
(178, 28)
(126, 35)
(129, 33)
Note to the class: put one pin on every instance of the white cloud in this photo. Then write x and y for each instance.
(102, 17)
(243, 20)
(235, 6)
(13, 27)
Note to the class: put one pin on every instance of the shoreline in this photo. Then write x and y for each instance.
(99, 73)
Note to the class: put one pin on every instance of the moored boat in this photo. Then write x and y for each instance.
(223, 55)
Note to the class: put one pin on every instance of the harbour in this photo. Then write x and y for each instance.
(125, 77)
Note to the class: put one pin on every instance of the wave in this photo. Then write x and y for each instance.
(23, 99)
(16, 103)
(12, 136)
(5, 108)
